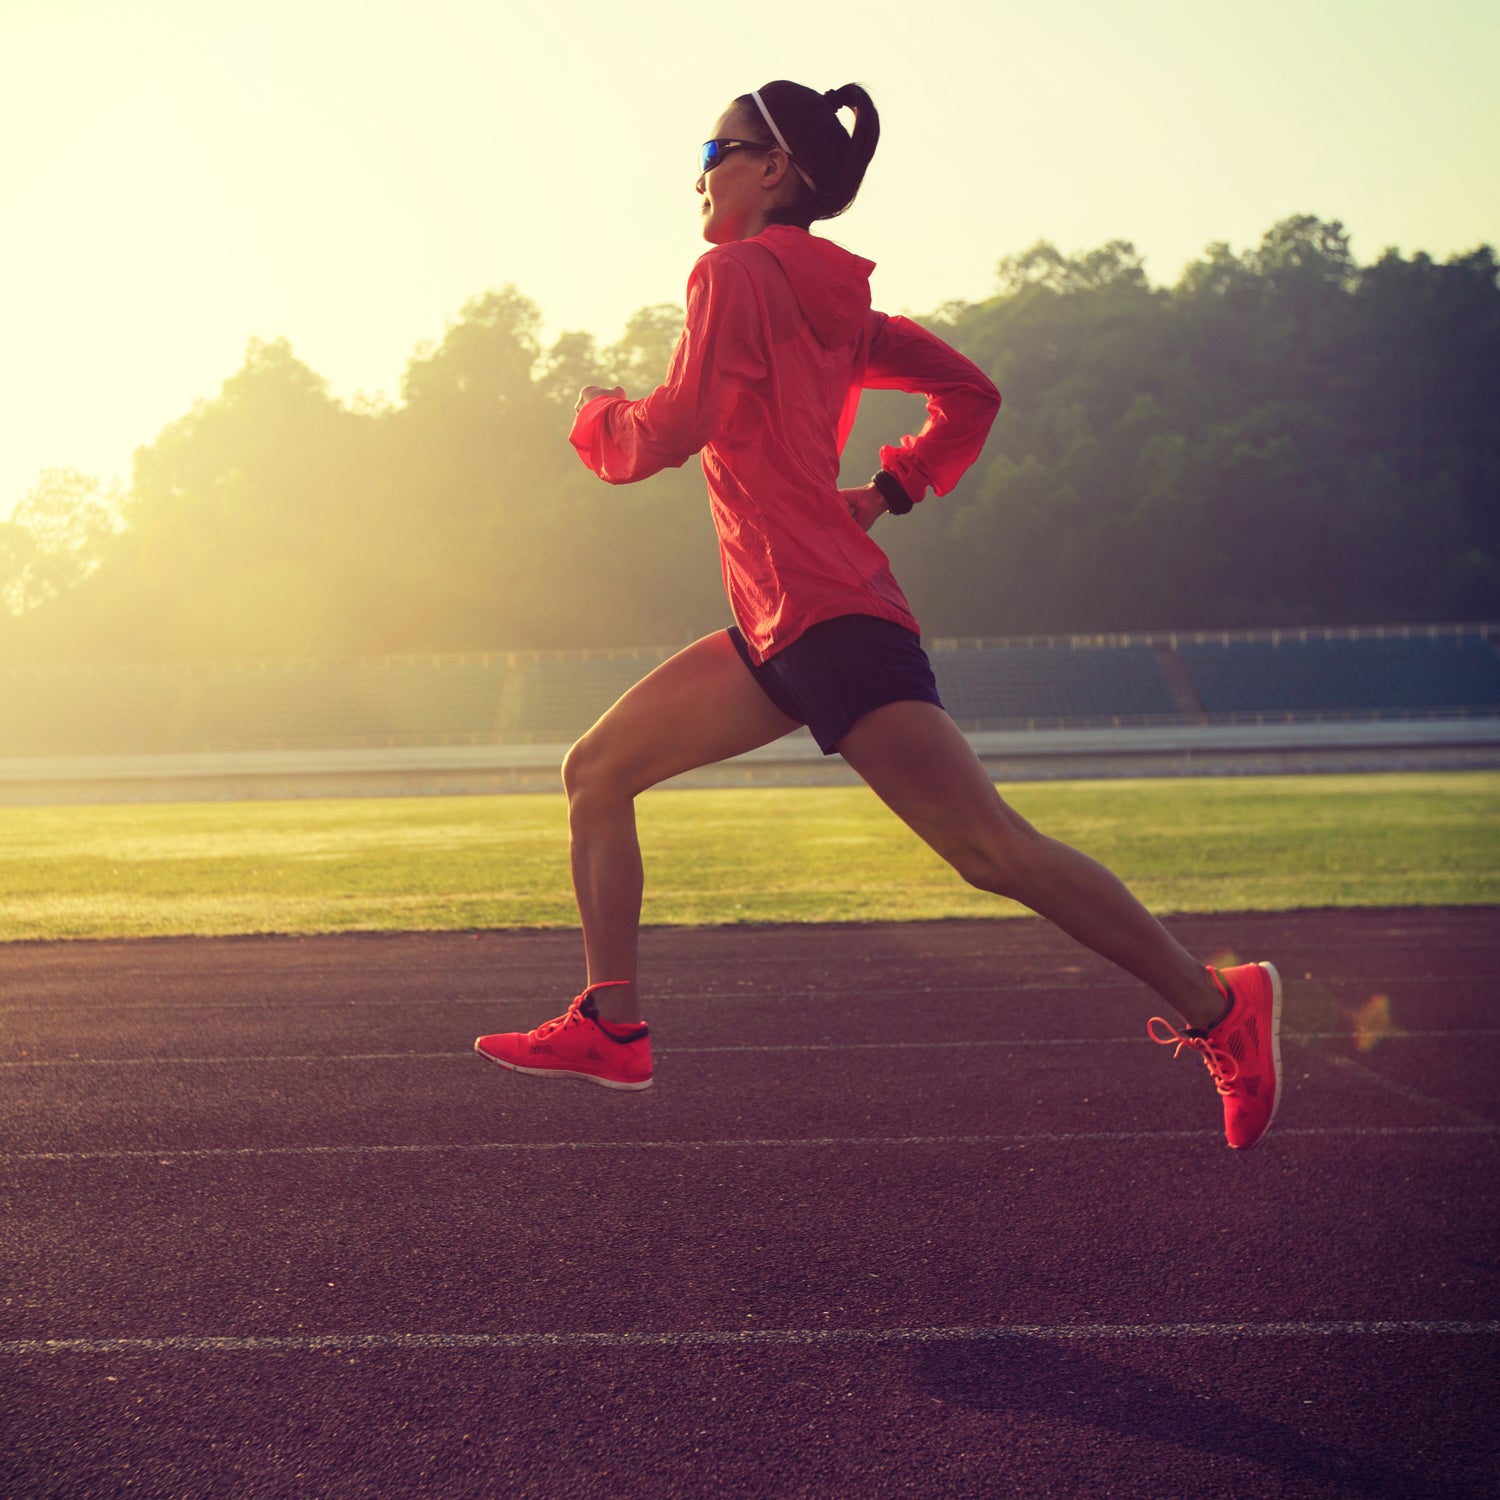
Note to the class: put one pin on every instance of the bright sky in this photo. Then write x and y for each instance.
(182, 175)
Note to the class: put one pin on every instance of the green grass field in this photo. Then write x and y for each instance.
(755, 855)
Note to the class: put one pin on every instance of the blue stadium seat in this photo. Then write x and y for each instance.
(999, 684)
(552, 698)
(358, 704)
(87, 710)
(1341, 675)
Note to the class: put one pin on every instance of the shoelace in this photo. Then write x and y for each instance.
(569, 1017)
(1222, 1067)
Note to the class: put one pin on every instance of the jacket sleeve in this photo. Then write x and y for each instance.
(961, 405)
(719, 353)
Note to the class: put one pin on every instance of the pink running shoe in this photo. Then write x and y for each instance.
(577, 1044)
(1241, 1050)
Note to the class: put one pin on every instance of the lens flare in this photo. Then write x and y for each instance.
(1371, 1022)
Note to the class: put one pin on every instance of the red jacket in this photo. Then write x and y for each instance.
(779, 341)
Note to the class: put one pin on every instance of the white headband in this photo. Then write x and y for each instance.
(765, 114)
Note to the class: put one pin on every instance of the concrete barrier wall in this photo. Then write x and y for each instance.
(1172, 750)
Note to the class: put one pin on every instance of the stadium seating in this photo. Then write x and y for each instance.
(550, 698)
(999, 685)
(1339, 675)
(553, 699)
(358, 704)
(87, 710)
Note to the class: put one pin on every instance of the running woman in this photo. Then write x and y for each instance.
(779, 341)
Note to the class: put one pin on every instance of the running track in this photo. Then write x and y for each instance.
(911, 1211)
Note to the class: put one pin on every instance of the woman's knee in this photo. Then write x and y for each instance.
(582, 768)
(579, 767)
(592, 771)
(998, 859)
(980, 869)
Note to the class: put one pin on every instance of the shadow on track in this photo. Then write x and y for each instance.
(1060, 1383)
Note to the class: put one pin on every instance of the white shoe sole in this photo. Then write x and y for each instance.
(1275, 979)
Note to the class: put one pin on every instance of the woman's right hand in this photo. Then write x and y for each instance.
(866, 504)
(589, 392)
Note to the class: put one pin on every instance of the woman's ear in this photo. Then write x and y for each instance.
(777, 171)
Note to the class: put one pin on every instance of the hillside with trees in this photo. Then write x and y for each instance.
(1284, 437)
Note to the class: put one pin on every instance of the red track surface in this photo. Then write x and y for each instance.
(911, 1211)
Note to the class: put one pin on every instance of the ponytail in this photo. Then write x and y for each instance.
(821, 148)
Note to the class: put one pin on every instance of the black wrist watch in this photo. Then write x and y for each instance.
(897, 501)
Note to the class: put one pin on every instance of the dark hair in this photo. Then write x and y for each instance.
(810, 124)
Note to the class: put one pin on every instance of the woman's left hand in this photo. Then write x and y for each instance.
(866, 504)
(589, 392)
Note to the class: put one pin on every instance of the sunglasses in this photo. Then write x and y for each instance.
(711, 153)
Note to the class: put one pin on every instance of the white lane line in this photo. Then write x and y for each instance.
(169, 1154)
(1133, 1039)
(555, 997)
(759, 995)
(467, 1052)
(740, 1338)
(218, 1062)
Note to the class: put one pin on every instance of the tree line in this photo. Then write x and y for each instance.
(1284, 437)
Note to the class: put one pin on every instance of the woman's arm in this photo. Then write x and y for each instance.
(961, 405)
(717, 355)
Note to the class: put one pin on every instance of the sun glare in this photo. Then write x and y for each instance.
(188, 177)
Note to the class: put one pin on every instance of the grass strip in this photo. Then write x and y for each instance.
(745, 855)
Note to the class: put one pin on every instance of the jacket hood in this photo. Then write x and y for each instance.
(831, 285)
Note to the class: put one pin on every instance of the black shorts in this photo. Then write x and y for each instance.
(839, 670)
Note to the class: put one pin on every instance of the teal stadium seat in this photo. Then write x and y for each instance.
(552, 698)
(988, 685)
(351, 705)
(1365, 675)
(87, 710)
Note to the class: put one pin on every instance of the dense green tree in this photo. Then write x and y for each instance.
(1283, 437)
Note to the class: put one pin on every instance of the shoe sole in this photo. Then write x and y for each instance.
(1275, 979)
(607, 1083)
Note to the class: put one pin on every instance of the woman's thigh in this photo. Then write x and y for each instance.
(917, 761)
(698, 707)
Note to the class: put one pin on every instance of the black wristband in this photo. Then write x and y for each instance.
(893, 492)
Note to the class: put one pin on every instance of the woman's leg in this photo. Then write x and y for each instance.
(700, 707)
(917, 761)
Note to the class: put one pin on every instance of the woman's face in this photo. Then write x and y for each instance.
(742, 188)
